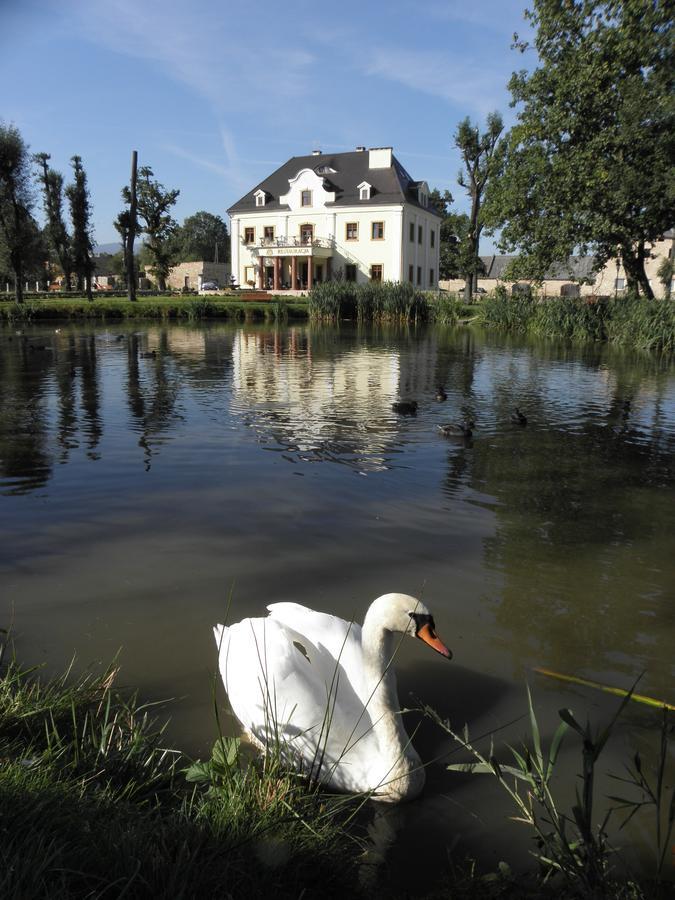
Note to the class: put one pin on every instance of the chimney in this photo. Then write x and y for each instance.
(379, 158)
(360, 149)
(316, 153)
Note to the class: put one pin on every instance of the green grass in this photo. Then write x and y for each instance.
(628, 320)
(92, 804)
(176, 308)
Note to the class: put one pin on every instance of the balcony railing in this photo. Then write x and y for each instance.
(328, 243)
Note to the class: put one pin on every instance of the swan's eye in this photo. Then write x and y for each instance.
(420, 620)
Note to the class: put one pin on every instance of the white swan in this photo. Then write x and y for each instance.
(325, 690)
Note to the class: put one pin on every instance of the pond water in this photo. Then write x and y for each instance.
(149, 472)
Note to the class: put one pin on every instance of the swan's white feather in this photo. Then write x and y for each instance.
(303, 688)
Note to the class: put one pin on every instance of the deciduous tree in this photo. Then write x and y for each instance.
(80, 215)
(482, 155)
(203, 236)
(589, 163)
(454, 231)
(59, 239)
(17, 227)
(154, 203)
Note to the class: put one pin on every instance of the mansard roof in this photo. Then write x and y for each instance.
(391, 185)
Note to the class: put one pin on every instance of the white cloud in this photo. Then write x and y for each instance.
(471, 86)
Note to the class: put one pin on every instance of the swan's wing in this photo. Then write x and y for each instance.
(284, 686)
(339, 638)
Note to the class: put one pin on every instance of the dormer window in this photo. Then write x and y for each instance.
(259, 198)
(306, 198)
(423, 198)
(364, 190)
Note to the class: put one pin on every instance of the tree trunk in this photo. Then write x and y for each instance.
(131, 275)
(634, 266)
(87, 286)
(18, 284)
(471, 281)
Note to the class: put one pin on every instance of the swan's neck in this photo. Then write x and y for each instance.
(379, 648)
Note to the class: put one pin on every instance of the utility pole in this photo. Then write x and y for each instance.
(131, 273)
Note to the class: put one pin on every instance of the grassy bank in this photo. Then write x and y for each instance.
(628, 320)
(174, 308)
(93, 804)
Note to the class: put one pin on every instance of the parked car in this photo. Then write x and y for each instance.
(209, 286)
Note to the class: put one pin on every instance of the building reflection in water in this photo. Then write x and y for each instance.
(317, 403)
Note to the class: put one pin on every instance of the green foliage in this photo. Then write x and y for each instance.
(454, 230)
(630, 320)
(17, 226)
(80, 214)
(389, 301)
(198, 236)
(116, 308)
(482, 155)
(93, 804)
(154, 203)
(572, 847)
(589, 161)
(665, 273)
(59, 239)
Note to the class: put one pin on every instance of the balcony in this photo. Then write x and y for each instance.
(326, 243)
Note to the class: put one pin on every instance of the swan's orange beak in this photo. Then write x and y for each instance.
(429, 636)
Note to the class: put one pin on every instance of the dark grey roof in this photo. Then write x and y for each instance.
(388, 186)
(575, 268)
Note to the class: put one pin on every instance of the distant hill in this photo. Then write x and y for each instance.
(111, 248)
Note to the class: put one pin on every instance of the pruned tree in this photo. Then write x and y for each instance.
(59, 239)
(127, 225)
(17, 226)
(589, 162)
(154, 203)
(82, 246)
(482, 154)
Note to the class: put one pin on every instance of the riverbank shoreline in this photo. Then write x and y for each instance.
(92, 801)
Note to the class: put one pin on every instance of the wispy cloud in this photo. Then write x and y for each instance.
(196, 49)
(456, 81)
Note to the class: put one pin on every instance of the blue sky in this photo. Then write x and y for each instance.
(216, 95)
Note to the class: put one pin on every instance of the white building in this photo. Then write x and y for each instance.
(357, 216)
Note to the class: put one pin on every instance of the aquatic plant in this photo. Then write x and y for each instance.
(572, 845)
(631, 320)
(389, 301)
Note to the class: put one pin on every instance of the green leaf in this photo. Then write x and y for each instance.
(534, 726)
(225, 752)
(568, 717)
(198, 772)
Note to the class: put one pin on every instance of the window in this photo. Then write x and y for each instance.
(431, 277)
(352, 231)
(269, 232)
(419, 274)
(412, 232)
(433, 238)
(350, 272)
(619, 284)
(260, 199)
(376, 273)
(377, 231)
(249, 235)
(306, 234)
(306, 198)
(420, 234)
(364, 190)
(411, 274)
